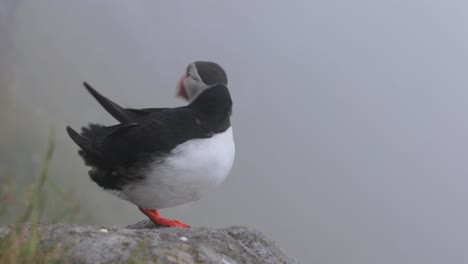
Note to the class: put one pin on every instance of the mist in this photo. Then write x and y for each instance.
(350, 117)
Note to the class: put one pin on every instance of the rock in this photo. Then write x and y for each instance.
(145, 242)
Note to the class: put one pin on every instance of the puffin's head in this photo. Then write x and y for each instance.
(200, 76)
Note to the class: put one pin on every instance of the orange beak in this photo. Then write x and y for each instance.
(180, 87)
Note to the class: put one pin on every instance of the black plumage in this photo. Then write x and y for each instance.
(118, 154)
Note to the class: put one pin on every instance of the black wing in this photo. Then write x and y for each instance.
(156, 134)
(117, 153)
(123, 115)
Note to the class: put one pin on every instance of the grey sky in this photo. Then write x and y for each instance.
(350, 117)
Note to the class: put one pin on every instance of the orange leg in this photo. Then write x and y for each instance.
(153, 215)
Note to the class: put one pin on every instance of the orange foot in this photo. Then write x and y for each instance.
(153, 215)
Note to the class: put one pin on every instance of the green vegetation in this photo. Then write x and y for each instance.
(20, 245)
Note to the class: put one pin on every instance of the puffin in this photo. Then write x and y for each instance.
(158, 158)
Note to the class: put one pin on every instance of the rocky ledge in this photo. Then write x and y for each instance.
(144, 242)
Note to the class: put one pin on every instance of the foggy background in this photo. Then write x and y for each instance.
(350, 117)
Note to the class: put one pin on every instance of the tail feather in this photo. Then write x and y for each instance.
(95, 131)
(114, 109)
(88, 152)
(101, 171)
(83, 142)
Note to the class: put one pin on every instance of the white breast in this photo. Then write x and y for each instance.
(192, 168)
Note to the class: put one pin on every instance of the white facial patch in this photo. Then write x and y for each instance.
(194, 84)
